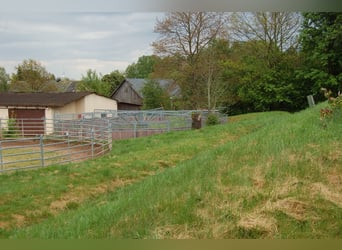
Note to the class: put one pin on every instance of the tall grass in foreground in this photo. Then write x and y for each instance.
(278, 175)
(29, 197)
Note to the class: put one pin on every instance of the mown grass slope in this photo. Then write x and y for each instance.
(263, 175)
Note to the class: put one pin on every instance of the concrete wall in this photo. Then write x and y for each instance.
(70, 108)
(87, 104)
(93, 101)
(3, 113)
(3, 118)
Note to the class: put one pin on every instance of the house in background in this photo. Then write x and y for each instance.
(129, 93)
(42, 106)
(127, 96)
(72, 86)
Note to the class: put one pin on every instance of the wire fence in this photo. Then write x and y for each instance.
(27, 143)
(34, 143)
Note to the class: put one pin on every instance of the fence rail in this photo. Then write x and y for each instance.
(55, 142)
(34, 143)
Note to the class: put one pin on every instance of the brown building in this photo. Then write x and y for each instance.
(128, 96)
(129, 93)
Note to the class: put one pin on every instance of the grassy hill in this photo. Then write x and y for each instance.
(262, 175)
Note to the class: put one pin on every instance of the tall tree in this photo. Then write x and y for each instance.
(31, 76)
(265, 60)
(113, 79)
(210, 67)
(154, 95)
(278, 29)
(4, 79)
(92, 82)
(254, 86)
(142, 68)
(185, 35)
(321, 42)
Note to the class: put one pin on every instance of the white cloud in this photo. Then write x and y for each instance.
(71, 43)
(95, 35)
(80, 66)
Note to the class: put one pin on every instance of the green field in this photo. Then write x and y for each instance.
(264, 175)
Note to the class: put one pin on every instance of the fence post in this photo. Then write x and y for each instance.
(92, 143)
(69, 151)
(22, 127)
(41, 142)
(1, 161)
(82, 130)
(110, 137)
(135, 130)
(311, 100)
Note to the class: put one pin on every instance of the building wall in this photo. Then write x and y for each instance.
(128, 106)
(93, 101)
(127, 94)
(3, 118)
(87, 104)
(67, 109)
(3, 113)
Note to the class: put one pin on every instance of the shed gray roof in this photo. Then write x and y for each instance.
(40, 99)
(168, 84)
(72, 87)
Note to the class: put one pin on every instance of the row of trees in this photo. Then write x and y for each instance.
(250, 61)
(241, 62)
(32, 76)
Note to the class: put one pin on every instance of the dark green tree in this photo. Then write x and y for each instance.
(142, 68)
(321, 44)
(92, 82)
(4, 78)
(254, 85)
(154, 95)
(113, 79)
(261, 69)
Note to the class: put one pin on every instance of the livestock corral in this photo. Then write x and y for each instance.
(34, 143)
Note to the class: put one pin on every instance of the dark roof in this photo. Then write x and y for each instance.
(138, 84)
(40, 99)
(72, 87)
(134, 88)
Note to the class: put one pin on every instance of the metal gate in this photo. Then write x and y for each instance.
(28, 121)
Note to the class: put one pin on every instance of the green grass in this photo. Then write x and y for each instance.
(263, 175)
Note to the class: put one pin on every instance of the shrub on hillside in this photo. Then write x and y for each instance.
(212, 119)
(334, 110)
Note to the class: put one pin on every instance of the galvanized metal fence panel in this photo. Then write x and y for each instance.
(34, 143)
(61, 141)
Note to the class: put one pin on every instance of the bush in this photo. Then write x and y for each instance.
(334, 111)
(212, 119)
(336, 103)
(11, 129)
